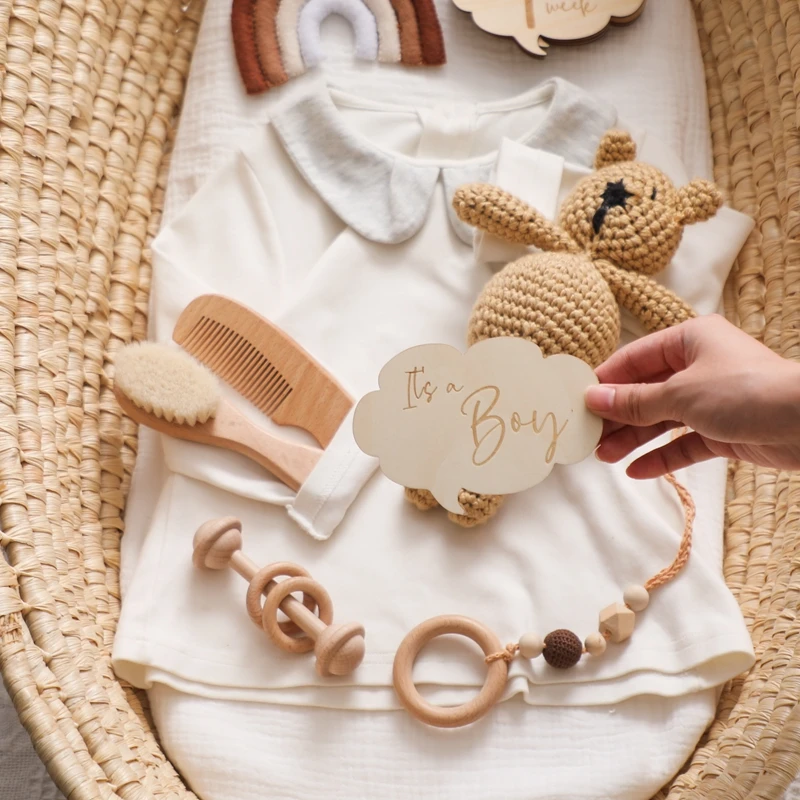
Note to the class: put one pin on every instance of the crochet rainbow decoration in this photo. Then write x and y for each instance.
(276, 40)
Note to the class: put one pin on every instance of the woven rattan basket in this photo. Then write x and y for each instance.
(88, 107)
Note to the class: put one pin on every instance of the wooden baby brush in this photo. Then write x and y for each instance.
(339, 649)
(263, 364)
(167, 390)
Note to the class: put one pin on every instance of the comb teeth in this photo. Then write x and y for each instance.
(234, 359)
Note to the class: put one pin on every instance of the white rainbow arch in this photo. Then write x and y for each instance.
(315, 12)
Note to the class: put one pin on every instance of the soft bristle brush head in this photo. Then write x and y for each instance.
(167, 383)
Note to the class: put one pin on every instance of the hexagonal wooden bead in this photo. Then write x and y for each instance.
(617, 621)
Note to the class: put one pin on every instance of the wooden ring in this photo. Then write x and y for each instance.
(258, 586)
(269, 615)
(449, 716)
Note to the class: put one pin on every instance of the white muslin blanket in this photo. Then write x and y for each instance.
(271, 222)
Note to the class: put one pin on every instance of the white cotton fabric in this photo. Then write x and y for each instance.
(248, 751)
(385, 196)
(239, 749)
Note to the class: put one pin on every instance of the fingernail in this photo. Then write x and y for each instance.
(602, 453)
(600, 398)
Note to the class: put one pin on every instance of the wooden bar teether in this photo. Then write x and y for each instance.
(339, 648)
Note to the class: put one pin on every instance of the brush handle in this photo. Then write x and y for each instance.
(231, 430)
(291, 463)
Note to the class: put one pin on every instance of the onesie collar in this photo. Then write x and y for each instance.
(384, 195)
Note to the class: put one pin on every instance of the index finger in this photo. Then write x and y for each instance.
(657, 355)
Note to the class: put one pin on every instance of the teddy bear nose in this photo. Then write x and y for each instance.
(615, 194)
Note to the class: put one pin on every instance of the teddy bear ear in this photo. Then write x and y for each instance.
(698, 201)
(615, 148)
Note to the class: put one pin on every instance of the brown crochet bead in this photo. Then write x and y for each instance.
(562, 649)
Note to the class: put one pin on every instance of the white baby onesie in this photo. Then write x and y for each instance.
(351, 247)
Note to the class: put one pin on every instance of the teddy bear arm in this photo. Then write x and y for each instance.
(655, 306)
(501, 214)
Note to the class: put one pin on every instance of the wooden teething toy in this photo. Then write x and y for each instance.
(339, 649)
(561, 649)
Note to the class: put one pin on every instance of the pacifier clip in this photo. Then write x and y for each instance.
(561, 648)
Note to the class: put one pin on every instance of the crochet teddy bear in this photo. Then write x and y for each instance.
(619, 225)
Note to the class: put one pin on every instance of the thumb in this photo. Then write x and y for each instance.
(637, 404)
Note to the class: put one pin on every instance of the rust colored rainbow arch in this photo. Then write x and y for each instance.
(276, 40)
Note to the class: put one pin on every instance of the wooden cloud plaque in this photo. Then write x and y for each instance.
(535, 23)
(494, 420)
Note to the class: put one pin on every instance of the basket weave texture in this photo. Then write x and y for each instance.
(89, 100)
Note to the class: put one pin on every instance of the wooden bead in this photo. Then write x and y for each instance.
(216, 541)
(636, 598)
(617, 621)
(562, 649)
(531, 645)
(595, 644)
(340, 649)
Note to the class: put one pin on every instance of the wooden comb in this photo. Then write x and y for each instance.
(263, 364)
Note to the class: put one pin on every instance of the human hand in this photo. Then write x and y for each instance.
(740, 399)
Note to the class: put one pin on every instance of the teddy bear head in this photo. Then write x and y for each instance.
(630, 213)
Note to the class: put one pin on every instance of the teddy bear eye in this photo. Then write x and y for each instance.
(653, 196)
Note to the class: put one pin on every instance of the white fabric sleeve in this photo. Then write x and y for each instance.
(224, 241)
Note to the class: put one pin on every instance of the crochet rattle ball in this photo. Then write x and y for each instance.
(619, 226)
